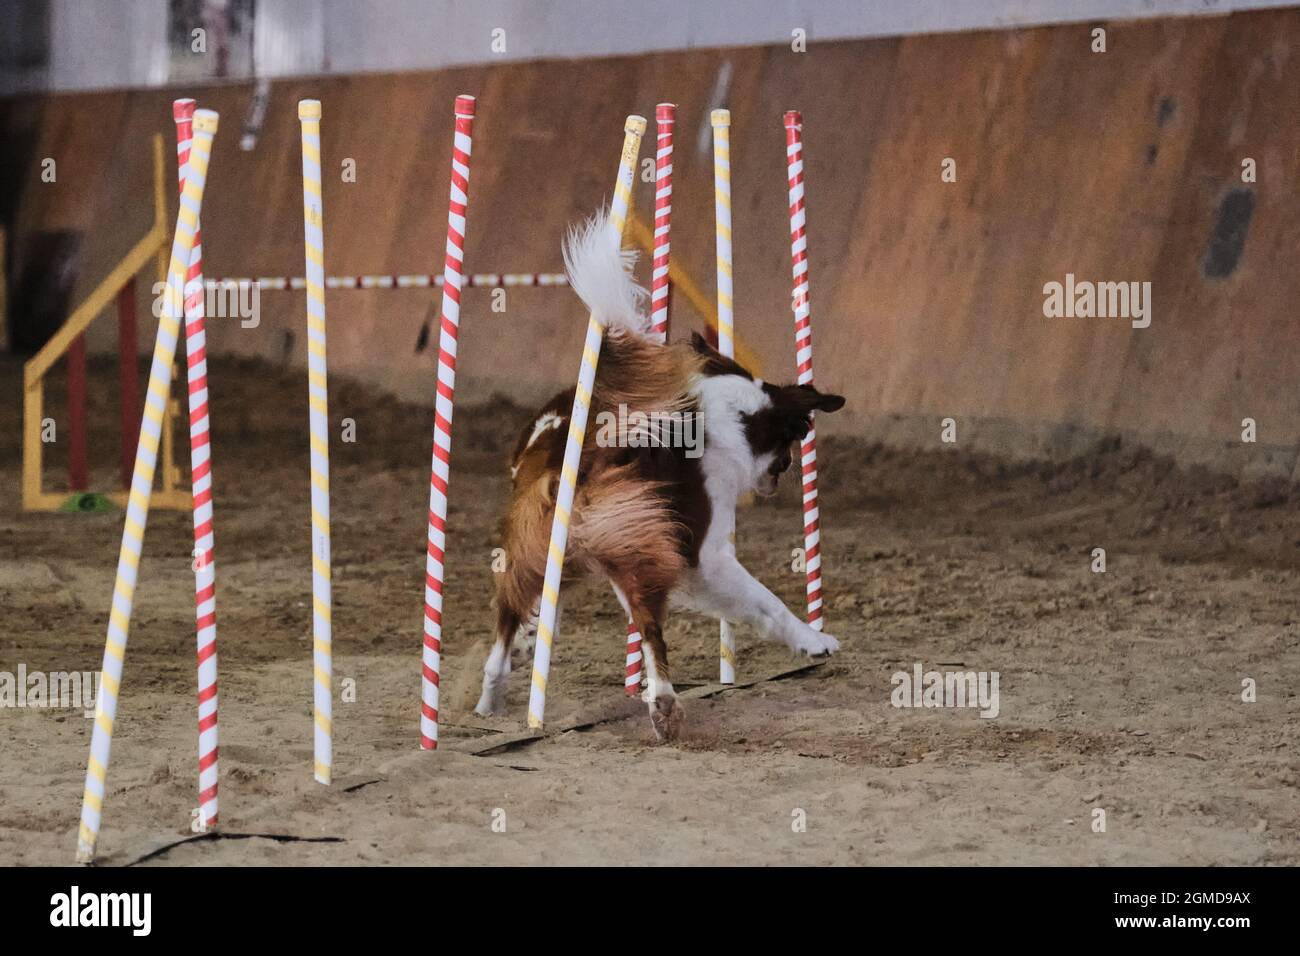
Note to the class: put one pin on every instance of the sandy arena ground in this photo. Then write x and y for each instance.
(1118, 690)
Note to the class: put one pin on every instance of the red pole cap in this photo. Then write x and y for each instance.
(465, 105)
(666, 112)
(182, 110)
(793, 120)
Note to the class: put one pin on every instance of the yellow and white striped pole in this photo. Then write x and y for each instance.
(633, 130)
(721, 120)
(314, 251)
(146, 461)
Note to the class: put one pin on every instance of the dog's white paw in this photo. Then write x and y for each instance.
(815, 643)
(491, 703)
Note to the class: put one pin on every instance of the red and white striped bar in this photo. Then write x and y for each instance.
(484, 280)
(803, 359)
(205, 567)
(665, 117)
(453, 266)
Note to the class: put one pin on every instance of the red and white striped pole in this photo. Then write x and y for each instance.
(665, 117)
(453, 271)
(205, 568)
(803, 360)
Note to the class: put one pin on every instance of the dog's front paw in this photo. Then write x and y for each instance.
(815, 644)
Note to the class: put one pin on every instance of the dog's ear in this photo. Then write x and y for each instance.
(806, 399)
(828, 402)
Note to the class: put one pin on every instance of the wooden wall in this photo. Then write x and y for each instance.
(927, 296)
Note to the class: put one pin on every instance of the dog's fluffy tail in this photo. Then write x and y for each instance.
(601, 273)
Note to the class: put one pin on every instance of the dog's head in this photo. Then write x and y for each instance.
(773, 431)
(781, 416)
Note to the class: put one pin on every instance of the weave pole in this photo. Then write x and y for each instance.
(803, 359)
(665, 117)
(721, 120)
(309, 114)
(633, 130)
(452, 270)
(146, 461)
(205, 567)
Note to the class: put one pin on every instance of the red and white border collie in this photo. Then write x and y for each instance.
(657, 521)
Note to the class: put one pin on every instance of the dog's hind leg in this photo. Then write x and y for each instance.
(496, 669)
(666, 712)
(647, 610)
(629, 534)
(519, 588)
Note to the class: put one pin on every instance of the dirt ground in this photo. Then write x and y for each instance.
(1119, 691)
